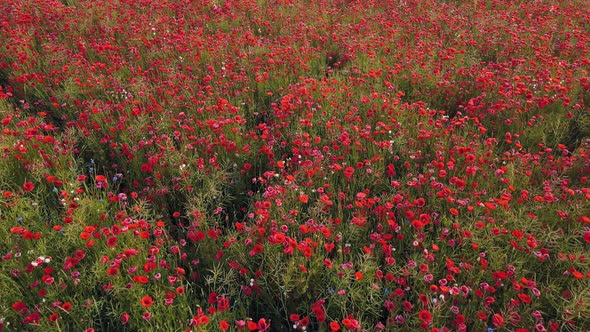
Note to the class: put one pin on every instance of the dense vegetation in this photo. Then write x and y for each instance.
(283, 165)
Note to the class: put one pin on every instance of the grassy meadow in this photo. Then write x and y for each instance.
(282, 165)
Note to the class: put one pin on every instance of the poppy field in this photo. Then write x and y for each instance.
(282, 165)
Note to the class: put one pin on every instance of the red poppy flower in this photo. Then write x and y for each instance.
(28, 186)
(67, 306)
(407, 306)
(334, 326)
(304, 322)
(147, 301)
(358, 275)
(111, 271)
(33, 318)
(303, 198)
(20, 307)
(252, 326)
(425, 316)
(141, 279)
(124, 318)
(524, 298)
(112, 241)
(497, 320)
(224, 325)
(348, 172)
(482, 316)
(223, 304)
(203, 320)
(350, 323)
(263, 325)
